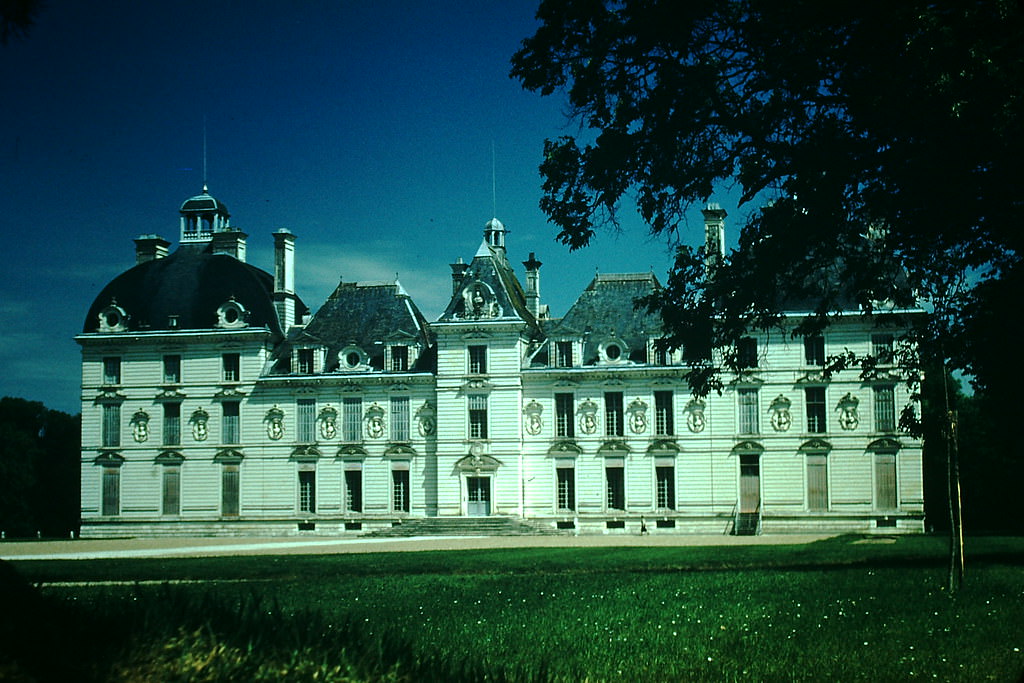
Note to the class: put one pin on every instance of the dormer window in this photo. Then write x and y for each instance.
(613, 351)
(351, 358)
(399, 358)
(563, 354)
(306, 357)
(113, 319)
(231, 314)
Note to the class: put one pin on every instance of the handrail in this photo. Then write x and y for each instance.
(735, 519)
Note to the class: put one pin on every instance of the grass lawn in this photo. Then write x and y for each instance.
(835, 610)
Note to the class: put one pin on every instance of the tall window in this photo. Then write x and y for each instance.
(882, 347)
(111, 431)
(171, 503)
(229, 422)
(814, 351)
(305, 430)
(885, 409)
(399, 358)
(478, 360)
(111, 491)
(817, 482)
(564, 425)
(563, 354)
(306, 361)
(664, 422)
(400, 418)
(478, 417)
(565, 476)
(400, 488)
(172, 369)
(662, 356)
(885, 481)
(307, 489)
(615, 478)
(748, 422)
(354, 488)
(172, 424)
(815, 399)
(613, 417)
(112, 370)
(665, 486)
(232, 364)
(352, 419)
(746, 352)
(229, 490)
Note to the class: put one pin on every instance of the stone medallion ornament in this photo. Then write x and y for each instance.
(695, 421)
(532, 412)
(375, 421)
(140, 426)
(199, 421)
(781, 418)
(588, 417)
(638, 416)
(328, 420)
(848, 418)
(274, 420)
(426, 418)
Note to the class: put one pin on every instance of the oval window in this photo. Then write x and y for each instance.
(113, 318)
(231, 315)
(612, 351)
(352, 359)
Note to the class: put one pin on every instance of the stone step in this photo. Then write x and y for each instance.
(465, 526)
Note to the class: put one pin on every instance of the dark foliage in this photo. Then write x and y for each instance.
(39, 469)
(865, 128)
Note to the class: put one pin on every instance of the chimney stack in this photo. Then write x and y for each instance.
(284, 277)
(714, 236)
(458, 272)
(150, 248)
(231, 242)
(532, 266)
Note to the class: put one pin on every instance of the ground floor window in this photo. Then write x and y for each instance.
(171, 504)
(307, 489)
(885, 481)
(565, 475)
(817, 482)
(615, 478)
(111, 491)
(400, 489)
(354, 489)
(665, 486)
(229, 490)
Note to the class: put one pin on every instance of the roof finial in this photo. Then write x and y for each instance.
(205, 190)
(494, 184)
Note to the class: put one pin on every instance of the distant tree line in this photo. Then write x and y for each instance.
(39, 469)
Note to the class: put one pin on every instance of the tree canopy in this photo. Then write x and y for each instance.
(876, 140)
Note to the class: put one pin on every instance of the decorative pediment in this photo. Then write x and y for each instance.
(613, 447)
(885, 444)
(613, 382)
(352, 451)
(170, 394)
(663, 447)
(478, 463)
(477, 384)
(169, 458)
(746, 378)
(813, 377)
(109, 459)
(566, 381)
(818, 446)
(399, 450)
(748, 448)
(398, 387)
(305, 454)
(884, 375)
(565, 448)
(228, 456)
(229, 392)
(109, 396)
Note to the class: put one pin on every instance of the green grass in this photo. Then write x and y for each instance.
(835, 610)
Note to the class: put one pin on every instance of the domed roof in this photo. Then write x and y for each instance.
(494, 224)
(189, 287)
(203, 203)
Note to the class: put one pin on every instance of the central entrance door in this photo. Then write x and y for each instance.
(750, 484)
(479, 496)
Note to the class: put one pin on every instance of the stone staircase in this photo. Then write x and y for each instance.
(466, 526)
(746, 524)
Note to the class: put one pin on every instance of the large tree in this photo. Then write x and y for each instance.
(873, 139)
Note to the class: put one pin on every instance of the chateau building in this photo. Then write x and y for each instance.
(215, 402)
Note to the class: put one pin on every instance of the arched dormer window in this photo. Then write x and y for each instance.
(232, 315)
(113, 318)
(613, 350)
(352, 358)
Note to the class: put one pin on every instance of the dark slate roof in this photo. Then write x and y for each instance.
(365, 315)
(491, 268)
(203, 203)
(191, 284)
(606, 310)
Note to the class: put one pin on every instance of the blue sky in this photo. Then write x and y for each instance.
(365, 128)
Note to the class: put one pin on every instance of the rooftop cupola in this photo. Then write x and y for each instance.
(714, 236)
(494, 235)
(201, 216)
